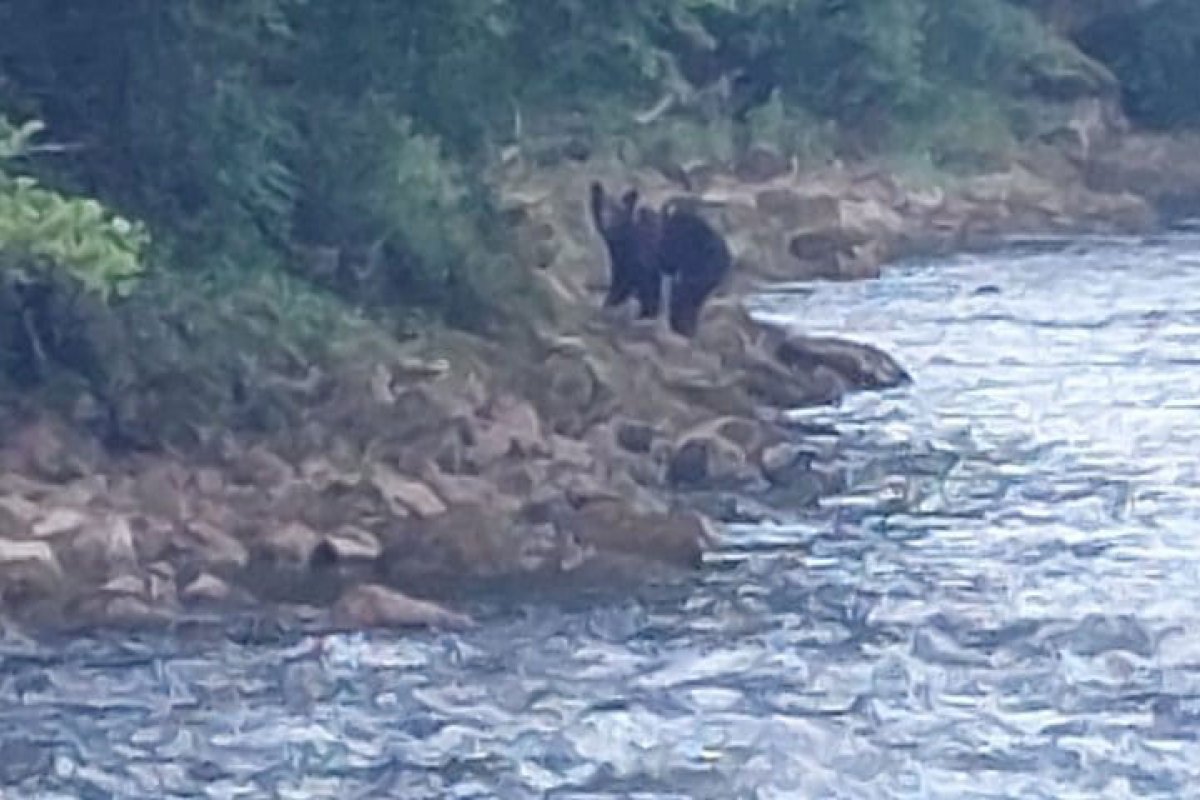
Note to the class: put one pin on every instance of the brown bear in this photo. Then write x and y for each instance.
(645, 245)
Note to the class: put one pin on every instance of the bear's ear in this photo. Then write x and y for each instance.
(629, 201)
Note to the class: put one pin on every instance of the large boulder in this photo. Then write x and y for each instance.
(860, 366)
(677, 538)
(373, 606)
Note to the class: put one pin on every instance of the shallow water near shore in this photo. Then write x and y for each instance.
(1004, 604)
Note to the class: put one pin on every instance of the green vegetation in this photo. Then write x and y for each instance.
(41, 229)
(1155, 52)
(344, 143)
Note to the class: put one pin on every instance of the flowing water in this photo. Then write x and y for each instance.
(1004, 604)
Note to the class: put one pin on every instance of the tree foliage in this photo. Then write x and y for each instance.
(242, 130)
(43, 230)
(1154, 50)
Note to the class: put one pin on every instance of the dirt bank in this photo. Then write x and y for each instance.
(584, 450)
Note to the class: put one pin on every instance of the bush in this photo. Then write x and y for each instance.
(41, 229)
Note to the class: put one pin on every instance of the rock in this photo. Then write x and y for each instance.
(761, 163)
(131, 611)
(28, 567)
(58, 522)
(520, 480)
(1165, 170)
(466, 490)
(322, 474)
(16, 516)
(748, 434)
(707, 460)
(40, 450)
(125, 584)
(689, 464)
(861, 365)
(154, 539)
(487, 444)
(207, 588)
(634, 436)
(573, 452)
(405, 496)
(159, 491)
(214, 547)
(350, 544)
(160, 583)
(519, 423)
(803, 211)
(581, 488)
(208, 482)
(786, 464)
(679, 538)
(465, 543)
(260, 467)
(100, 549)
(291, 544)
(570, 392)
(374, 606)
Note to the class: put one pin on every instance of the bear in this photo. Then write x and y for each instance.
(646, 245)
(630, 238)
(696, 259)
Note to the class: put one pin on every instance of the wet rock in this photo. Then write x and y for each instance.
(128, 610)
(28, 567)
(786, 464)
(689, 464)
(861, 365)
(373, 606)
(634, 436)
(405, 496)
(679, 538)
(707, 460)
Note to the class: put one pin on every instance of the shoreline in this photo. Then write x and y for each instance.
(403, 476)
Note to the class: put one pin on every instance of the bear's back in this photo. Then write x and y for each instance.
(691, 246)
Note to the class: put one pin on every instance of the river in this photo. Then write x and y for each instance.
(1004, 604)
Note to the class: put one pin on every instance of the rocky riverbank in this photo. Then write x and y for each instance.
(597, 446)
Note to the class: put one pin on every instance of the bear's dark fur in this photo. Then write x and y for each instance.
(629, 237)
(645, 245)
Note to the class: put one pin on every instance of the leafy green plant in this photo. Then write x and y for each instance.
(101, 250)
